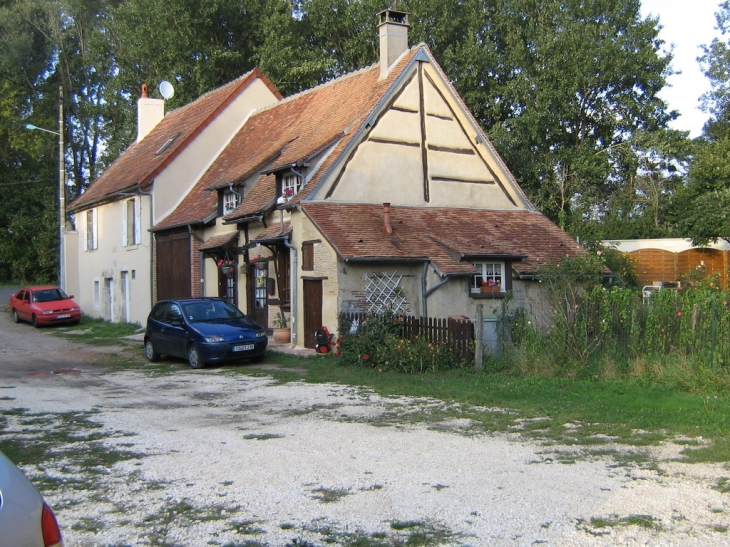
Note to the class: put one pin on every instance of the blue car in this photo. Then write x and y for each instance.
(203, 330)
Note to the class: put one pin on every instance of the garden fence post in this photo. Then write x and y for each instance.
(478, 333)
(713, 333)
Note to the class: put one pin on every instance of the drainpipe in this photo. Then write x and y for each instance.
(293, 283)
(152, 246)
(426, 292)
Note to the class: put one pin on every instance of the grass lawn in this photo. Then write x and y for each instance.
(623, 411)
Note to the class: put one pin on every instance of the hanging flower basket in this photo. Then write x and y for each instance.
(226, 266)
(227, 270)
(259, 262)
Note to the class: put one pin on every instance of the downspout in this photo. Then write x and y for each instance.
(293, 283)
(152, 246)
(426, 292)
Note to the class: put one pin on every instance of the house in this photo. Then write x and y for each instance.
(375, 190)
(110, 256)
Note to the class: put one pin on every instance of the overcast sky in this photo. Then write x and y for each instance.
(687, 25)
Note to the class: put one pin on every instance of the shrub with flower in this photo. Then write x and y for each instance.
(380, 343)
(225, 263)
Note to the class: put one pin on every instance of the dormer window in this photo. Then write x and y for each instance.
(231, 200)
(290, 185)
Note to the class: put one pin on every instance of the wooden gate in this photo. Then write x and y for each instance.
(173, 266)
(312, 310)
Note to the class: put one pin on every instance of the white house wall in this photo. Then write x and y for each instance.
(106, 263)
(172, 185)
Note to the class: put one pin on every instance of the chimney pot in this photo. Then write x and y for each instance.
(144, 95)
(387, 227)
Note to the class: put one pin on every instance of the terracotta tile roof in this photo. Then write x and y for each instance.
(273, 232)
(219, 241)
(447, 237)
(285, 133)
(139, 164)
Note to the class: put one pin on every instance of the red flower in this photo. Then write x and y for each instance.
(679, 314)
(337, 354)
(366, 357)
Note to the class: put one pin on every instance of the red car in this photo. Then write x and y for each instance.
(44, 305)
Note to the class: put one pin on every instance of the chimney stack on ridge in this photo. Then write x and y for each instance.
(393, 28)
(149, 113)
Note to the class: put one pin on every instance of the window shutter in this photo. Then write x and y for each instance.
(137, 221)
(84, 235)
(125, 240)
(95, 230)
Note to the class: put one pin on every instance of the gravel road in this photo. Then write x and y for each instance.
(214, 457)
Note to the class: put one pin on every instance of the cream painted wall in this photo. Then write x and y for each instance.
(388, 165)
(173, 184)
(109, 260)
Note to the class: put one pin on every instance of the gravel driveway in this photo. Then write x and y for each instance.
(215, 457)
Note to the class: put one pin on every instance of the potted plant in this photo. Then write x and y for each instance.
(282, 331)
(259, 262)
(226, 266)
(489, 286)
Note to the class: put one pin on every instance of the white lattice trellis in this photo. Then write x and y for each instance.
(383, 292)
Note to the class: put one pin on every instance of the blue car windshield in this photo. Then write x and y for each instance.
(211, 310)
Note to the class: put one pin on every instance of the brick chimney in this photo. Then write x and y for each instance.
(393, 28)
(149, 113)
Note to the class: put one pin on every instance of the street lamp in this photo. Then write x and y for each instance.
(61, 188)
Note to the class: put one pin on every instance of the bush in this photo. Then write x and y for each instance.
(379, 342)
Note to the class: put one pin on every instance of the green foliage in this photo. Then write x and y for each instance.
(379, 342)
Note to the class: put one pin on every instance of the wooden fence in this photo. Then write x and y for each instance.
(456, 334)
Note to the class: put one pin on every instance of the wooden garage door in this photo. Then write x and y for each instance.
(173, 266)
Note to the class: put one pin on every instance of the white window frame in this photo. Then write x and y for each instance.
(488, 270)
(91, 234)
(291, 183)
(231, 201)
(97, 292)
(131, 231)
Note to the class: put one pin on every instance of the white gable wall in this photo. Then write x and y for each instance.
(172, 185)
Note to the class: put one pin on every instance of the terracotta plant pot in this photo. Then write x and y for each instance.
(282, 336)
(486, 289)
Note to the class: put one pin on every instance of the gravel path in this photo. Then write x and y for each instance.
(219, 458)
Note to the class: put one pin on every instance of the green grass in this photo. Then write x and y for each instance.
(619, 410)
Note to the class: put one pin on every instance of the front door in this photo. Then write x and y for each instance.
(259, 306)
(312, 310)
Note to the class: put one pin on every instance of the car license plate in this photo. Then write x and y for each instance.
(63, 316)
(245, 347)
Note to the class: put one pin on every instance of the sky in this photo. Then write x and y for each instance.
(687, 24)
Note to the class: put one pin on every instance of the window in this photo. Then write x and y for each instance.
(131, 234)
(91, 241)
(231, 200)
(290, 185)
(489, 273)
(97, 293)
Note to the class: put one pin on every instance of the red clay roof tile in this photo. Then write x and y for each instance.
(447, 237)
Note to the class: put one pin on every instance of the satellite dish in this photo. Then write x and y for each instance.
(166, 90)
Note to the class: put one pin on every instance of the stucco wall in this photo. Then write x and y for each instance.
(173, 184)
(106, 264)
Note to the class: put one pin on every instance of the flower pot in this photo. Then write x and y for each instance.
(259, 265)
(227, 270)
(282, 336)
(486, 289)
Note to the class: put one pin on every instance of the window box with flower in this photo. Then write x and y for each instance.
(489, 287)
